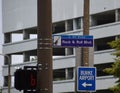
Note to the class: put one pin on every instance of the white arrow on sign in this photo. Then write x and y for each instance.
(85, 84)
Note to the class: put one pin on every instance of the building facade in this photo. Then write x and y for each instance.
(20, 39)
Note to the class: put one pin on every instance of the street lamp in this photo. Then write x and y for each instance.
(9, 77)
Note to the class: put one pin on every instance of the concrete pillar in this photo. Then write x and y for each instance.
(26, 57)
(25, 35)
(93, 21)
(117, 15)
(74, 24)
(68, 51)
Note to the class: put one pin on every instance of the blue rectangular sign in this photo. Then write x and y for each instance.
(86, 79)
(72, 41)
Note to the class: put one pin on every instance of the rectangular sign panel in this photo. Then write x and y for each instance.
(72, 41)
(86, 79)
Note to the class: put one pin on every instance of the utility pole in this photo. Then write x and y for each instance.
(44, 51)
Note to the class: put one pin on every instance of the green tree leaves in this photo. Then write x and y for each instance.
(115, 69)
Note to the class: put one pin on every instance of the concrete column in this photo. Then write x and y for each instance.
(26, 57)
(65, 26)
(74, 24)
(69, 73)
(25, 35)
(93, 21)
(68, 51)
(117, 15)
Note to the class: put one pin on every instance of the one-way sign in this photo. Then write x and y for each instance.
(86, 79)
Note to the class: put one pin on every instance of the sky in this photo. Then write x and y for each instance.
(1, 42)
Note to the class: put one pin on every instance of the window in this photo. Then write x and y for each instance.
(59, 74)
(69, 51)
(30, 33)
(78, 23)
(69, 25)
(100, 45)
(58, 51)
(103, 18)
(101, 67)
(59, 27)
(63, 74)
(7, 37)
(5, 80)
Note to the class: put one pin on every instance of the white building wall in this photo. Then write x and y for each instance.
(23, 13)
(31, 44)
(19, 14)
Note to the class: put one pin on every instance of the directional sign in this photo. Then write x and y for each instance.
(72, 41)
(86, 79)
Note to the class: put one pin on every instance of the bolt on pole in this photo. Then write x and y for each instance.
(44, 51)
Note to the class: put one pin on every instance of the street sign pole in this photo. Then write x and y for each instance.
(86, 32)
(83, 58)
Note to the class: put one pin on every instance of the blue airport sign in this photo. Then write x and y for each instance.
(72, 41)
(86, 79)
